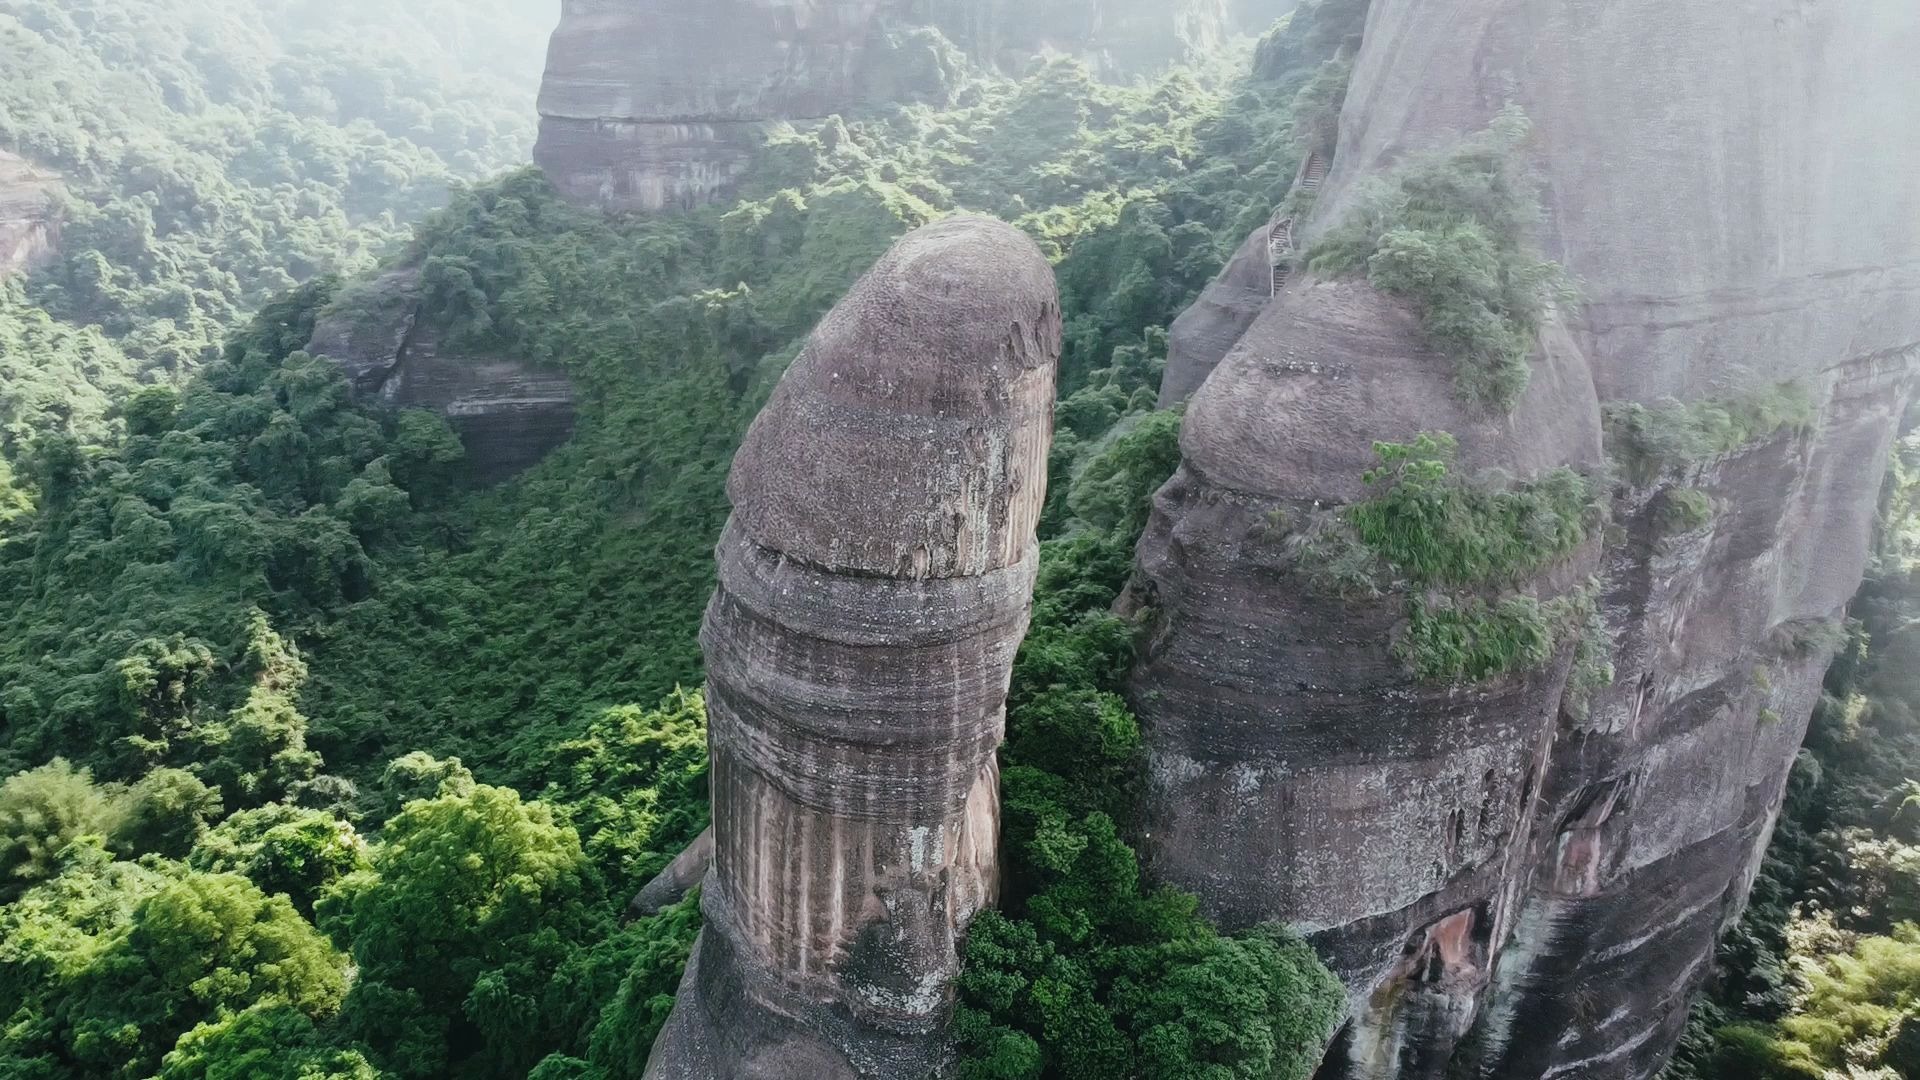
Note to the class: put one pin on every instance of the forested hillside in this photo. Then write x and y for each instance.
(314, 748)
(320, 763)
(219, 153)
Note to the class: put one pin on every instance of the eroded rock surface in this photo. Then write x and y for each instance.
(875, 580)
(508, 414)
(1204, 333)
(29, 221)
(1492, 867)
(1298, 770)
(652, 104)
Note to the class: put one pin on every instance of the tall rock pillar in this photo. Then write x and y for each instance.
(875, 580)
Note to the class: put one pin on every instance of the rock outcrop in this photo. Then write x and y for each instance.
(655, 104)
(508, 413)
(874, 584)
(1204, 333)
(1298, 770)
(1503, 876)
(29, 219)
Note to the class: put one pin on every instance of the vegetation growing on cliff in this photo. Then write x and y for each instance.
(1821, 976)
(1436, 527)
(1460, 548)
(1450, 231)
(1649, 439)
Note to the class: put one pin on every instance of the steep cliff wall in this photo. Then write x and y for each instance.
(656, 103)
(29, 223)
(1548, 876)
(651, 104)
(507, 413)
(874, 585)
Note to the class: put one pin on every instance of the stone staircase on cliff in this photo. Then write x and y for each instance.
(1279, 254)
(1315, 173)
(1280, 248)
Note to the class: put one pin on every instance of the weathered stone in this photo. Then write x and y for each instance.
(508, 414)
(1296, 769)
(29, 216)
(653, 104)
(1763, 232)
(1204, 333)
(677, 881)
(874, 583)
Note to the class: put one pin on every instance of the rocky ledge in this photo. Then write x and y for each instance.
(508, 414)
(657, 104)
(29, 214)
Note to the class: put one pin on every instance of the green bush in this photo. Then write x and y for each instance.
(1683, 510)
(1449, 231)
(1463, 640)
(1434, 527)
(1648, 440)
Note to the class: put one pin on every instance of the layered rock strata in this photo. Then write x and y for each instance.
(658, 104)
(1204, 333)
(1298, 770)
(874, 584)
(1728, 233)
(508, 413)
(29, 219)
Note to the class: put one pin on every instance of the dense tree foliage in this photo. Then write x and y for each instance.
(1090, 972)
(218, 152)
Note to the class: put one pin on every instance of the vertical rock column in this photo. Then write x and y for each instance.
(1297, 770)
(875, 581)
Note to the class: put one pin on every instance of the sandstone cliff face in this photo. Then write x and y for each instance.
(1204, 333)
(653, 104)
(874, 585)
(508, 414)
(1489, 867)
(656, 103)
(29, 223)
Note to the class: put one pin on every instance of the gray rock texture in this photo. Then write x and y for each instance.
(508, 414)
(1204, 333)
(1490, 868)
(29, 217)
(874, 584)
(1297, 770)
(677, 881)
(656, 104)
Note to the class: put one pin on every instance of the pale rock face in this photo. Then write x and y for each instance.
(29, 220)
(1726, 186)
(1296, 770)
(875, 580)
(661, 104)
(508, 414)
